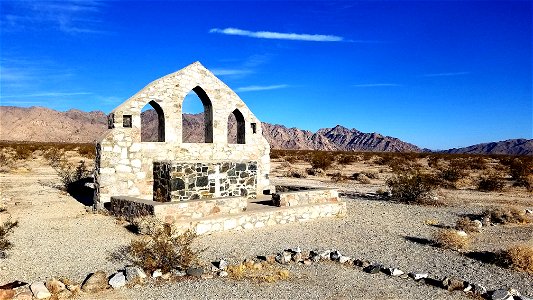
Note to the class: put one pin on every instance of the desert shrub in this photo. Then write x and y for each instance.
(337, 177)
(467, 225)
(321, 160)
(290, 159)
(371, 174)
(346, 159)
(452, 239)
(520, 169)
(71, 175)
(162, 250)
(411, 187)
(314, 172)
(519, 257)
(23, 151)
(477, 163)
(361, 177)
(452, 173)
(501, 215)
(5, 230)
(86, 150)
(6, 162)
(296, 173)
(490, 182)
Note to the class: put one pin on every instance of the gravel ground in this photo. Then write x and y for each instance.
(57, 238)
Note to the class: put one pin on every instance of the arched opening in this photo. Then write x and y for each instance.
(152, 123)
(236, 128)
(197, 117)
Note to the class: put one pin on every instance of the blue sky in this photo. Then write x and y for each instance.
(439, 74)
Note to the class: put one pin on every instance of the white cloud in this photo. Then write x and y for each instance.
(279, 35)
(446, 74)
(223, 72)
(377, 85)
(253, 88)
(68, 16)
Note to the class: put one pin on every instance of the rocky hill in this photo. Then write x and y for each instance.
(41, 124)
(513, 147)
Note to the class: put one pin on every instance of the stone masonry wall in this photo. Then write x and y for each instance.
(178, 181)
(306, 197)
(171, 212)
(125, 164)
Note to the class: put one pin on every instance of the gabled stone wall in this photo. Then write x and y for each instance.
(124, 165)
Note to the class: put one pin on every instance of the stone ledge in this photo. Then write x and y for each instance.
(304, 197)
(170, 212)
(264, 217)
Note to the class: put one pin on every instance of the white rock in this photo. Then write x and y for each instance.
(461, 233)
(157, 273)
(39, 290)
(478, 223)
(395, 272)
(343, 259)
(418, 276)
(133, 273)
(325, 254)
(222, 264)
(529, 211)
(223, 274)
(117, 280)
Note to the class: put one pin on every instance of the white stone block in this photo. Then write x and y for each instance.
(230, 224)
(203, 228)
(123, 169)
(136, 163)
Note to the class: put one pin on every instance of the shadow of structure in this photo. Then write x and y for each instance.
(80, 191)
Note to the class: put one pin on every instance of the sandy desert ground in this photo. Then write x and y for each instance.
(58, 237)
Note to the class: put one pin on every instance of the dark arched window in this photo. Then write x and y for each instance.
(197, 121)
(236, 128)
(152, 123)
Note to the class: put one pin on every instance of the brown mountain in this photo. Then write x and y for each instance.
(41, 124)
(513, 147)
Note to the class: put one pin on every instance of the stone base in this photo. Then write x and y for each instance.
(264, 217)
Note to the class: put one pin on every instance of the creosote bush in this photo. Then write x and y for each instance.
(519, 257)
(452, 239)
(490, 182)
(162, 250)
(5, 230)
(466, 225)
(502, 215)
(411, 187)
(322, 160)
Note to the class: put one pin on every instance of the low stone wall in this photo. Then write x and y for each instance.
(171, 212)
(305, 197)
(267, 217)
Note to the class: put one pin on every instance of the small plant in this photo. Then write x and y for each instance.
(71, 175)
(411, 187)
(467, 225)
(490, 182)
(162, 250)
(452, 239)
(337, 177)
(322, 160)
(519, 257)
(296, 173)
(314, 172)
(5, 230)
(6, 163)
(500, 215)
(361, 177)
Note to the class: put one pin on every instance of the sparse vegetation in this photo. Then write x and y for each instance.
(519, 257)
(490, 182)
(452, 239)
(71, 175)
(501, 215)
(5, 230)
(258, 272)
(162, 250)
(322, 160)
(467, 225)
(411, 187)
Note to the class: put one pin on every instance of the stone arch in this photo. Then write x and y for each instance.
(238, 134)
(207, 114)
(152, 133)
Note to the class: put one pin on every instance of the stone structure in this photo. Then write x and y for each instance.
(125, 164)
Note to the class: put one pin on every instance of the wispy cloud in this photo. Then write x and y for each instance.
(253, 88)
(446, 74)
(224, 72)
(278, 35)
(68, 16)
(377, 85)
(45, 94)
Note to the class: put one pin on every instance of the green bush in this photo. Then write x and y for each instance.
(411, 187)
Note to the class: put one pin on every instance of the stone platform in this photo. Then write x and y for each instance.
(206, 216)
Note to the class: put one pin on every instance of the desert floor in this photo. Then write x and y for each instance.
(57, 237)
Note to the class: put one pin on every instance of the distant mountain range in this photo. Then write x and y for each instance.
(41, 124)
